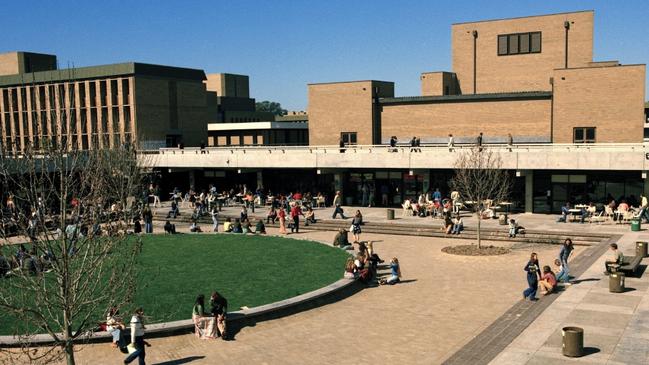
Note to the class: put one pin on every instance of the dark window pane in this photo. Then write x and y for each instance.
(513, 43)
(535, 42)
(579, 134)
(352, 137)
(590, 133)
(502, 45)
(524, 43)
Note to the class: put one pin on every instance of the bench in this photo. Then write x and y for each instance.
(630, 264)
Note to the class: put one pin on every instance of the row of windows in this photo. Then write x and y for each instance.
(72, 142)
(43, 97)
(519, 43)
(244, 120)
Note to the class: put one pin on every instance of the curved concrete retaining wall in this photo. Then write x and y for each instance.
(236, 320)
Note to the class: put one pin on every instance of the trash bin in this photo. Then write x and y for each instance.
(390, 214)
(573, 341)
(641, 248)
(635, 225)
(616, 282)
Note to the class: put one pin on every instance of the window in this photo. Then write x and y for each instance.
(348, 137)
(584, 135)
(519, 43)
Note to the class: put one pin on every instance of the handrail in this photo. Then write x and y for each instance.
(406, 147)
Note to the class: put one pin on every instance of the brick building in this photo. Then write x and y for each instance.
(533, 77)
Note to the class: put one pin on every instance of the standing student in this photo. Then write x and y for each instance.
(566, 251)
(282, 220)
(451, 143)
(296, 212)
(147, 215)
(533, 276)
(137, 338)
(215, 219)
(338, 201)
(356, 226)
(219, 310)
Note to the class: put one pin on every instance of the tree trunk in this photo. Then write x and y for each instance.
(69, 352)
(478, 231)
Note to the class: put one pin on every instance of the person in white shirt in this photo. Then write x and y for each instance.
(451, 143)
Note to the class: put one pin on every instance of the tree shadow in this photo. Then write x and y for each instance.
(184, 360)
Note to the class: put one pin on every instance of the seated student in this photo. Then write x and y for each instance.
(170, 228)
(561, 275)
(260, 228)
(272, 215)
(195, 228)
(137, 226)
(615, 258)
(227, 225)
(309, 216)
(115, 326)
(513, 228)
(373, 258)
(236, 226)
(448, 222)
(458, 225)
(350, 269)
(245, 226)
(565, 212)
(341, 240)
(244, 214)
(548, 281)
(174, 210)
(395, 273)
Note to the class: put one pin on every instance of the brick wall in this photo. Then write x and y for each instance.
(608, 98)
(524, 72)
(467, 119)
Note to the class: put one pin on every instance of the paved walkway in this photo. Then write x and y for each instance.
(616, 325)
(444, 302)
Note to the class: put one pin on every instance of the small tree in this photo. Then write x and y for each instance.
(479, 177)
(271, 107)
(71, 209)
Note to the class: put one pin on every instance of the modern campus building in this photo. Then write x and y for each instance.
(577, 124)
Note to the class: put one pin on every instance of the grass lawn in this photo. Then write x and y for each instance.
(248, 270)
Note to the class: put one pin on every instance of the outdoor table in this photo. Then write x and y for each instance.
(574, 213)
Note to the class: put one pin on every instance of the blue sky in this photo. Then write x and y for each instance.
(283, 45)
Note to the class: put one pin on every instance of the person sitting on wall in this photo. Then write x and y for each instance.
(565, 212)
(227, 225)
(342, 241)
(309, 216)
(260, 228)
(195, 228)
(458, 225)
(169, 228)
(615, 258)
(245, 226)
(236, 226)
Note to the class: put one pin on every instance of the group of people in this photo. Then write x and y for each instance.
(433, 204)
(210, 324)
(136, 347)
(544, 278)
(26, 260)
(364, 265)
(617, 211)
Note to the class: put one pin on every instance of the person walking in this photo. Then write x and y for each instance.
(341, 144)
(451, 143)
(137, 338)
(296, 212)
(478, 141)
(338, 201)
(413, 144)
(533, 275)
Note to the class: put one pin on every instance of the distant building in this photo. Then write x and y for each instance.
(148, 105)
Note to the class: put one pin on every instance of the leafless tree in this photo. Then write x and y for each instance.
(72, 210)
(479, 178)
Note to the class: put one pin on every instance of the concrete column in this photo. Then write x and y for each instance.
(192, 179)
(260, 179)
(646, 186)
(529, 191)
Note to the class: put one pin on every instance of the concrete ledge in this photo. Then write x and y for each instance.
(236, 320)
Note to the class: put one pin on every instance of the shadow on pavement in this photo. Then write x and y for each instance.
(184, 360)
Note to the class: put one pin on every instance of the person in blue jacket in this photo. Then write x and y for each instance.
(533, 275)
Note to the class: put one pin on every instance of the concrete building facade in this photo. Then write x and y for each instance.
(149, 105)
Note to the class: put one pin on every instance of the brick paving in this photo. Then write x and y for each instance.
(444, 302)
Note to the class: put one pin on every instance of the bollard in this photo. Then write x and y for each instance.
(641, 248)
(390, 214)
(616, 282)
(573, 341)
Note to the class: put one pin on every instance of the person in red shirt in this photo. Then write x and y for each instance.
(297, 196)
(548, 281)
(296, 212)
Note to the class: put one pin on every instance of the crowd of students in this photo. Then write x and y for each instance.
(544, 278)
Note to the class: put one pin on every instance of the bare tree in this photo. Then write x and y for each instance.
(71, 209)
(479, 178)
